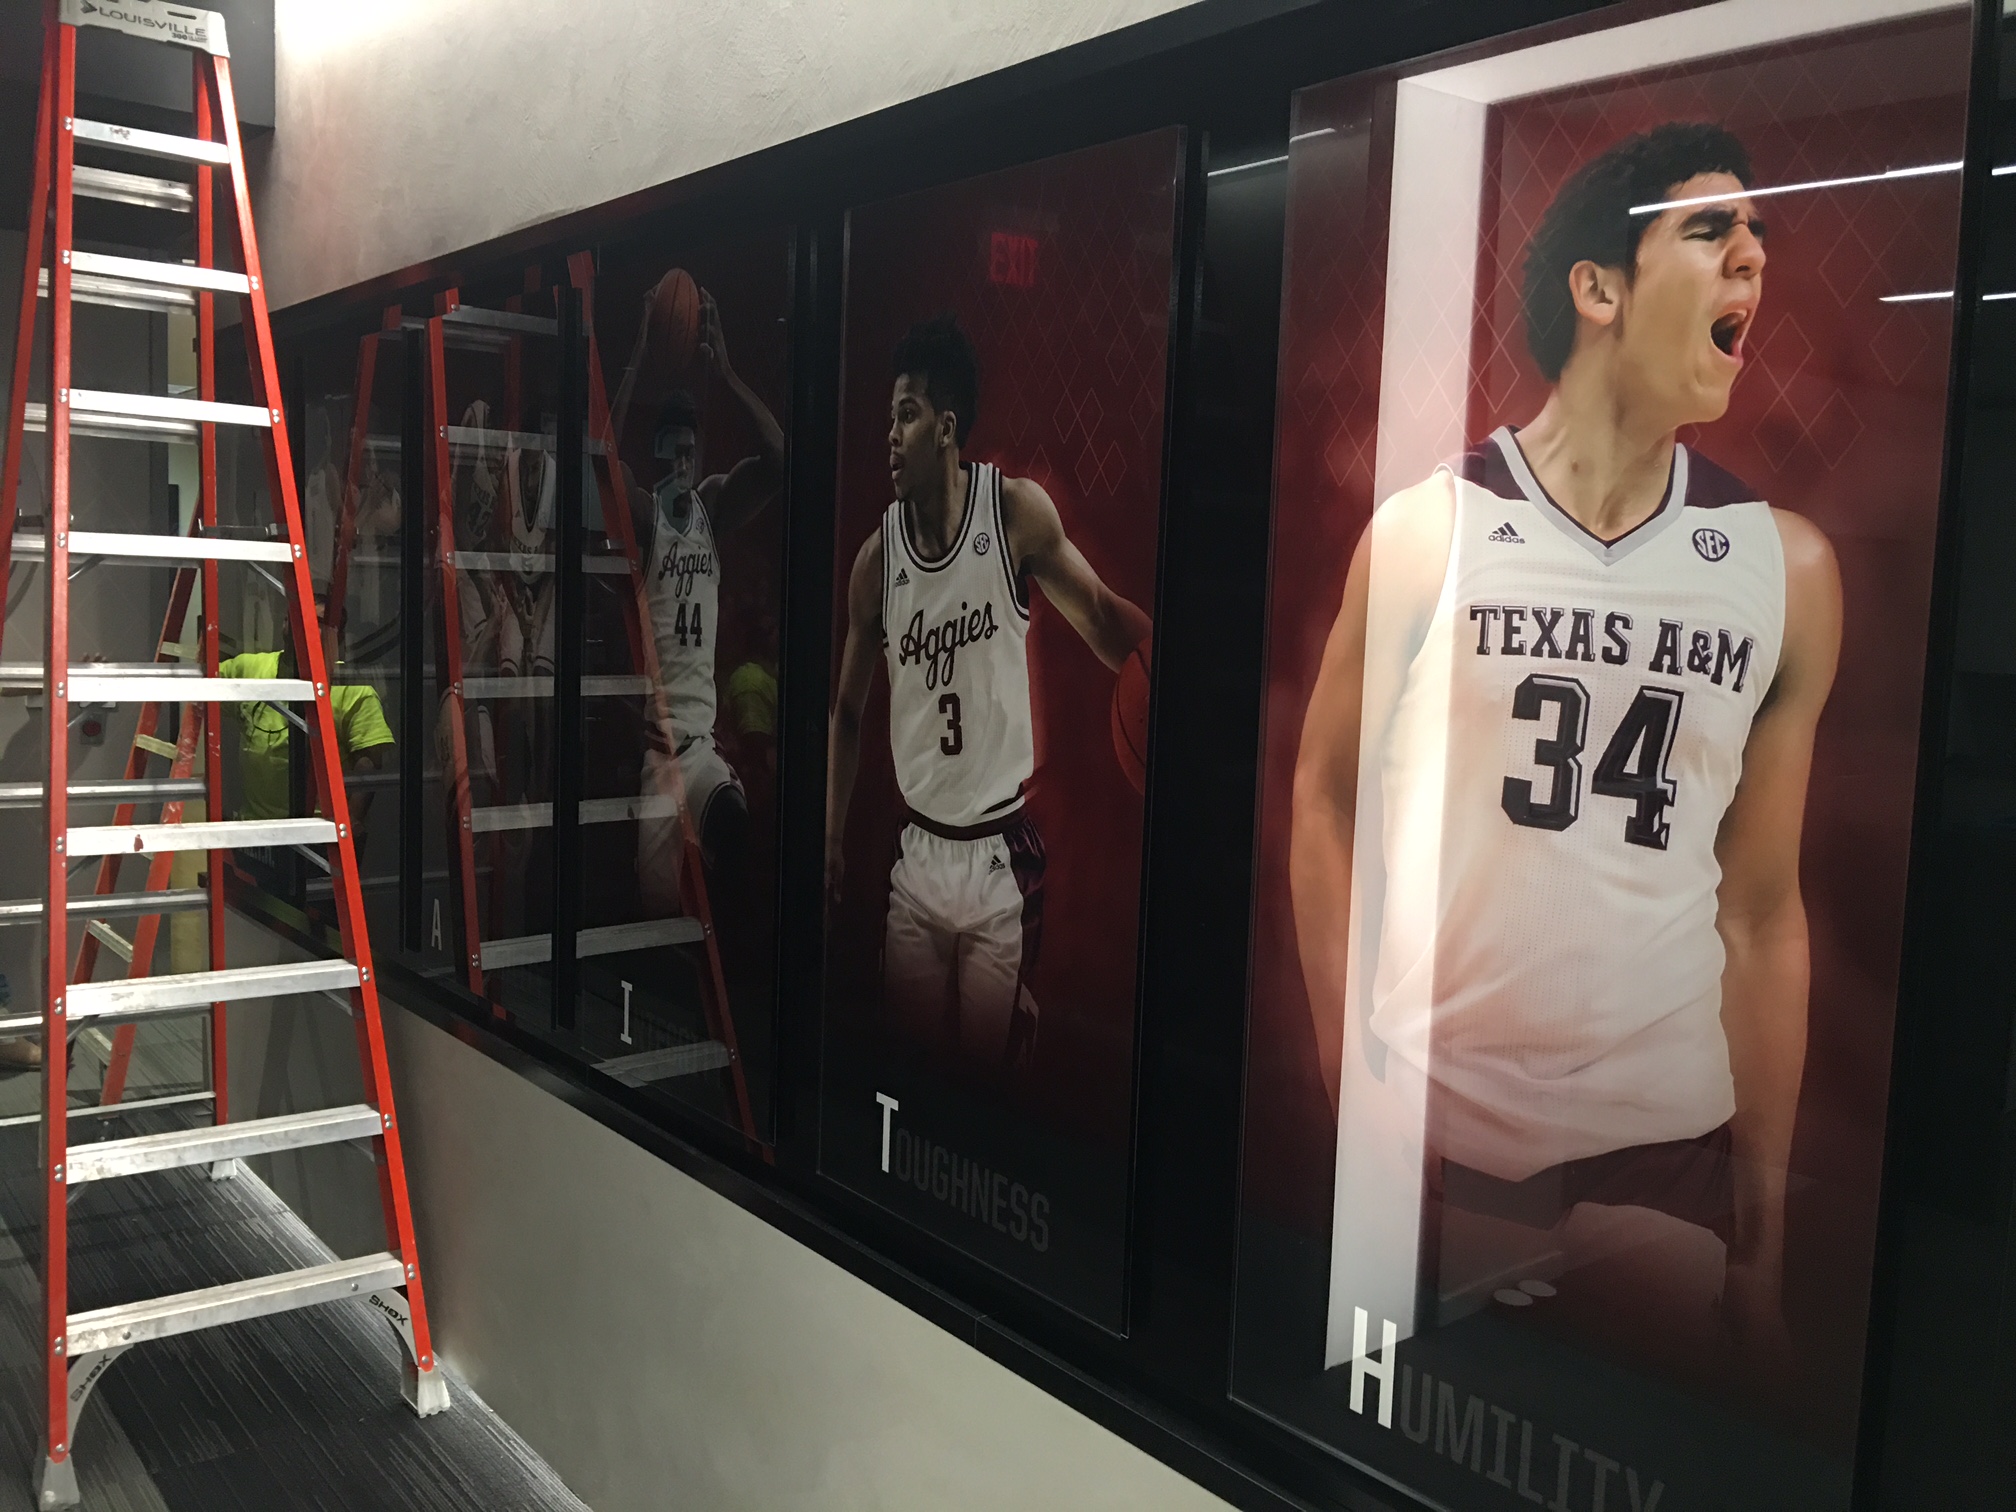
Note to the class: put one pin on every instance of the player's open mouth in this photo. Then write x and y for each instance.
(1727, 333)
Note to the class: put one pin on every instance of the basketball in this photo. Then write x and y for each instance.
(1130, 716)
(675, 323)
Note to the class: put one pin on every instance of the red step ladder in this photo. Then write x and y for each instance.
(78, 1346)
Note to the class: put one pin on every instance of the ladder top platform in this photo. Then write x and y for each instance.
(152, 21)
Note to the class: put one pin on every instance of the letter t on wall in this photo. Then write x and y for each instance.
(889, 1106)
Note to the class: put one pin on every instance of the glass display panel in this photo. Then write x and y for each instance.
(1004, 380)
(683, 594)
(1599, 596)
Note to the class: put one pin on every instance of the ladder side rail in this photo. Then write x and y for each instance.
(160, 868)
(62, 43)
(206, 445)
(24, 331)
(326, 753)
(644, 650)
(459, 776)
(507, 715)
(336, 606)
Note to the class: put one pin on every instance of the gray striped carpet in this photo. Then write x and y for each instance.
(300, 1412)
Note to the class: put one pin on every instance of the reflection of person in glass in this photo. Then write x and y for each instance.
(941, 590)
(1585, 665)
(363, 738)
(677, 523)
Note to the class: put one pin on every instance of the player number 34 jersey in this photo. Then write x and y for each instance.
(956, 633)
(1567, 739)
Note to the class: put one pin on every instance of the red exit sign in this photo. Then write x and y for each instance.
(1011, 260)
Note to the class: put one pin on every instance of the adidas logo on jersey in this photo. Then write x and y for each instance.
(1505, 535)
(997, 864)
(902, 577)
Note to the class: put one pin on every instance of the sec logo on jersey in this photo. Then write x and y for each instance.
(1712, 544)
(981, 543)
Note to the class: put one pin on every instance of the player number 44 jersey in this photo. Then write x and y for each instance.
(955, 633)
(1554, 776)
(683, 590)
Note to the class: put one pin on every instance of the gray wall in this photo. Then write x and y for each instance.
(407, 131)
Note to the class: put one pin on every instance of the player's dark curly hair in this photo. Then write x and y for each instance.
(1591, 220)
(938, 353)
(678, 410)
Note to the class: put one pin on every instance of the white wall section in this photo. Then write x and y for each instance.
(405, 131)
(661, 1347)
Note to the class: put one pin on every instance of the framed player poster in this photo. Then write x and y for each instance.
(1612, 412)
(1005, 370)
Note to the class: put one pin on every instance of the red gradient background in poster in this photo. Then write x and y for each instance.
(1060, 272)
(1840, 416)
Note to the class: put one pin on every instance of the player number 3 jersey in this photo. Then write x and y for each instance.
(1567, 739)
(956, 632)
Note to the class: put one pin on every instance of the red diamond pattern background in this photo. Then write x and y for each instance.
(1839, 415)
(1073, 374)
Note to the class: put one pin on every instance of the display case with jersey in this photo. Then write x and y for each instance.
(1612, 393)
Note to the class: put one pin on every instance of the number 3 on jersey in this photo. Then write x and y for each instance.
(1633, 764)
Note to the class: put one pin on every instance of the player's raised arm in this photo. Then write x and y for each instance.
(1108, 623)
(737, 496)
(1761, 917)
(857, 670)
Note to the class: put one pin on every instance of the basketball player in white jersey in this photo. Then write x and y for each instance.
(941, 593)
(678, 522)
(1554, 907)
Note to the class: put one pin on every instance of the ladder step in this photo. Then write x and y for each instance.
(100, 404)
(114, 790)
(156, 144)
(32, 546)
(132, 189)
(110, 427)
(542, 687)
(109, 937)
(523, 816)
(120, 293)
(648, 1066)
(142, 687)
(213, 1142)
(501, 320)
(110, 905)
(479, 438)
(159, 682)
(186, 1312)
(530, 562)
(143, 997)
(609, 939)
(173, 275)
(218, 834)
